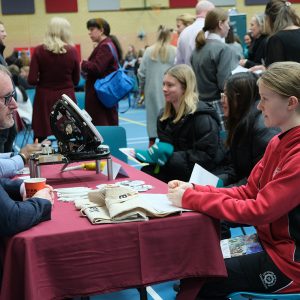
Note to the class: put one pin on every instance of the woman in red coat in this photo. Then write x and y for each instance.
(100, 63)
(54, 69)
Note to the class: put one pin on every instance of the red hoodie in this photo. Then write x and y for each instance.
(270, 201)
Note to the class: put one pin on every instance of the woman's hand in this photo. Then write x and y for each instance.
(176, 189)
(243, 62)
(258, 69)
(179, 184)
(175, 196)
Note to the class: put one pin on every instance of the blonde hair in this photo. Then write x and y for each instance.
(283, 78)
(162, 45)
(211, 23)
(58, 35)
(188, 102)
(186, 19)
(280, 15)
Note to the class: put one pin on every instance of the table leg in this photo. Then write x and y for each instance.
(98, 168)
(109, 168)
(189, 288)
(143, 293)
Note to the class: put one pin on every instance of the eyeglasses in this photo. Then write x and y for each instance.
(8, 98)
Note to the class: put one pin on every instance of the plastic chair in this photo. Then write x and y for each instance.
(115, 138)
(80, 97)
(24, 129)
(31, 94)
(80, 86)
(259, 296)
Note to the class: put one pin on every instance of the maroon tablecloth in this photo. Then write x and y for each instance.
(68, 256)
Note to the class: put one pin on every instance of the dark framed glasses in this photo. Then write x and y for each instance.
(9, 97)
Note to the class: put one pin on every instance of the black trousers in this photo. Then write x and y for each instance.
(250, 273)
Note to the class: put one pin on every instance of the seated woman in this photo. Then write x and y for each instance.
(247, 136)
(269, 201)
(189, 125)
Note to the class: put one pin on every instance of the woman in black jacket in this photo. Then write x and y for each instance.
(256, 53)
(191, 126)
(247, 136)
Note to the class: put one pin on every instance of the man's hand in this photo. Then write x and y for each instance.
(46, 193)
(29, 149)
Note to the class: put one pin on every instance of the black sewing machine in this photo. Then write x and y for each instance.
(77, 139)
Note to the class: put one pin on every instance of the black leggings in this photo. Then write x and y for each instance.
(250, 273)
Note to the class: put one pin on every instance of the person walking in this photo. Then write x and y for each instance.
(54, 70)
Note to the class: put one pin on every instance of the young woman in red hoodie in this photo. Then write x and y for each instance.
(269, 201)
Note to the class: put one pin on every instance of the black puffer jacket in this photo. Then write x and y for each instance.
(247, 149)
(195, 139)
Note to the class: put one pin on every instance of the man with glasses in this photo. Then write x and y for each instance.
(17, 215)
(10, 163)
(8, 135)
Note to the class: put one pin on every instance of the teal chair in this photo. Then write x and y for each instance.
(115, 138)
(259, 296)
(31, 93)
(80, 85)
(80, 97)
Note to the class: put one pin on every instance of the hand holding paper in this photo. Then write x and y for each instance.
(204, 177)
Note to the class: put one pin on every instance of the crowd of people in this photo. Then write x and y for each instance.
(242, 127)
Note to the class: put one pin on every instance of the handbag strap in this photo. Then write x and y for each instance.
(114, 53)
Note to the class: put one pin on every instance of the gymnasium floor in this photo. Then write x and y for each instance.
(134, 122)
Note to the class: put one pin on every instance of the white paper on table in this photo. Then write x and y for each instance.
(239, 69)
(203, 177)
(116, 169)
(160, 202)
(128, 152)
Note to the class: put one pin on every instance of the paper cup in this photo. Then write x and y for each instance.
(32, 185)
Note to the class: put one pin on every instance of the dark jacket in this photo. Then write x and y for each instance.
(100, 63)
(256, 54)
(195, 139)
(2, 60)
(246, 149)
(17, 216)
